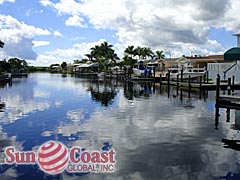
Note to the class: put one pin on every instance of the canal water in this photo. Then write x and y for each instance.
(156, 135)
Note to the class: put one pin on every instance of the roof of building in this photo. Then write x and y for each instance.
(232, 54)
(87, 65)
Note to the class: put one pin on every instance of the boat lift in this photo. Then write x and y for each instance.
(225, 72)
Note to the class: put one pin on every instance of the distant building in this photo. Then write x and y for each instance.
(86, 68)
(55, 68)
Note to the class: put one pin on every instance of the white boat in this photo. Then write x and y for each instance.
(138, 69)
(187, 71)
(138, 72)
(101, 74)
(117, 70)
(141, 70)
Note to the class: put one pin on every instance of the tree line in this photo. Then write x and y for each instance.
(13, 64)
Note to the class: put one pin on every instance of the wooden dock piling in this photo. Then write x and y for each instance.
(182, 75)
(160, 79)
(154, 73)
(168, 84)
(200, 83)
(233, 83)
(225, 101)
(189, 86)
(217, 102)
(207, 77)
(177, 84)
(229, 86)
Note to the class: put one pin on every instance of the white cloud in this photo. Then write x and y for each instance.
(18, 38)
(40, 43)
(75, 21)
(19, 107)
(2, 1)
(46, 2)
(30, 12)
(169, 25)
(77, 51)
(231, 21)
(64, 6)
(57, 33)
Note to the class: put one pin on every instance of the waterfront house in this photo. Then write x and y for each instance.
(202, 61)
(87, 68)
(174, 62)
(55, 68)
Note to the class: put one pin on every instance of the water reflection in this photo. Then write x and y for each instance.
(157, 134)
(103, 93)
(135, 90)
(2, 105)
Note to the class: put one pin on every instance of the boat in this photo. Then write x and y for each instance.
(141, 70)
(101, 75)
(116, 70)
(187, 70)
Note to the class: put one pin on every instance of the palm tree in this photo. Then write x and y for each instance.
(76, 61)
(89, 56)
(130, 50)
(106, 46)
(110, 54)
(106, 50)
(146, 52)
(103, 53)
(143, 52)
(159, 55)
(139, 52)
(129, 60)
(95, 51)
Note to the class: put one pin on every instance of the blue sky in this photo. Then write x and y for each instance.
(52, 31)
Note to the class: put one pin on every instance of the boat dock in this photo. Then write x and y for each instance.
(142, 79)
(6, 78)
(206, 86)
(229, 101)
(19, 75)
